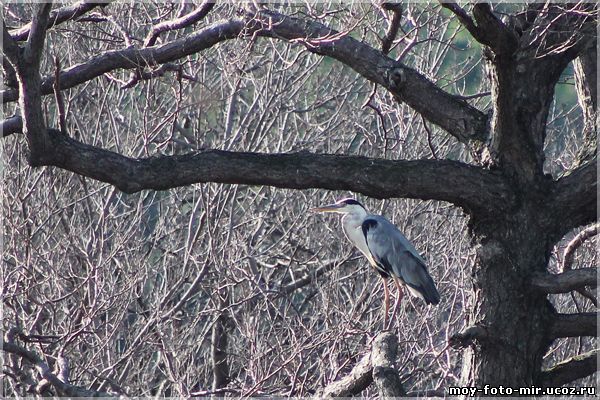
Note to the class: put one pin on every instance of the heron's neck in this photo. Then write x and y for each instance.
(355, 219)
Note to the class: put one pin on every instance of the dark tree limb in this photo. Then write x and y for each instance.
(566, 281)
(488, 30)
(27, 65)
(392, 32)
(454, 115)
(186, 20)
(37, 34)
(577, 367)
(11, 125)
(496, 35)
(575, 198)
(219, 339)
(472, 188)
(385, 375)
(59, 16)
(574, 325)
(465, 20)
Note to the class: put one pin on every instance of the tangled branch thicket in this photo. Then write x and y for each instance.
(236, 290)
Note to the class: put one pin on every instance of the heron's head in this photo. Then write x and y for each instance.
(344, 206)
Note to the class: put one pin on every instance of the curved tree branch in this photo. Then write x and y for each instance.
(574, 325)
(451, 113)
(58, 17)
(469, 187)
(186, 20)
(566, 281)
(569, 370)
(575, 243)
(575, 198)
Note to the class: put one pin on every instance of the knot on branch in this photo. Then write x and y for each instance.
(468, 336)
(396, 78)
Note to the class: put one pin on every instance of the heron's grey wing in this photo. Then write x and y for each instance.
(397, 255)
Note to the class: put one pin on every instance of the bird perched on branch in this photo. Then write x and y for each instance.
(386, 248)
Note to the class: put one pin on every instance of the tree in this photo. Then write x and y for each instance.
(240, 100)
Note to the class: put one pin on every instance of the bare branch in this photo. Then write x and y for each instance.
(465, 20)
(11, 125)
(10, 48)
(59, 16)
(467, 186)
(566, 281)
(219, 340)
(392, 32)
(575, 197)
(63, 388)
(132, 58)
(489, 30)
(37, 34)
(494, 33)
(60, 104)
(179, 23)
(452, 114)
(569, 370)
(574, 325)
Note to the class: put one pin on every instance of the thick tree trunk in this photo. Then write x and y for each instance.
(513, 318)
(510, 320)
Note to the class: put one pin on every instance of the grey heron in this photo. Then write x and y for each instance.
(386, 248)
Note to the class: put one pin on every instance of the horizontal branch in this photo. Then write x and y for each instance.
(470, 187)
(131, 58)
(451, 113)
(574, 325)
(59, 16)
(566, 281)
(577, 367)
(575, 198)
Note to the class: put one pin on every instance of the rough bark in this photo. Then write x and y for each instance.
(516, 245)
(385, 375)
(574, 325)
(469, 187)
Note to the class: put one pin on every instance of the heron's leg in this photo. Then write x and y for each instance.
(400, 295)
(386, 297)
(400, 291)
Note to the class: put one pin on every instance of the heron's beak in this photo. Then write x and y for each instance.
(327, 208)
